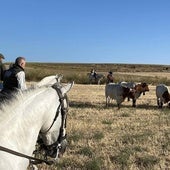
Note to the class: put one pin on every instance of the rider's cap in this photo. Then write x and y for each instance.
(2, 56)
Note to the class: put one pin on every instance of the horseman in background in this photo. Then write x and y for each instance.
(95, 78)
(93, 73)
(14, 77)
(110, 78)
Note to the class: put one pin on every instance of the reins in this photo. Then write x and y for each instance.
(32, 159)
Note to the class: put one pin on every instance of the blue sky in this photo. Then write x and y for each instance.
(86, 31)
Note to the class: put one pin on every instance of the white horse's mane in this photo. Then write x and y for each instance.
(11, 107)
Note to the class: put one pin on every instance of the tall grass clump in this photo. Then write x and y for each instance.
(93, 164)
(77, 78)
(146, 161)
(123, 158)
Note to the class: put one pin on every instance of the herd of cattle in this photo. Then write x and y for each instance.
(122, 90)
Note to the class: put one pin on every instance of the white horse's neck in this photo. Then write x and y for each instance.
(23, 118)
(21, 125)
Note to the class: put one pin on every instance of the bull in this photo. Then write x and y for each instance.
(138, 89)
(163, 95)
(117, 92)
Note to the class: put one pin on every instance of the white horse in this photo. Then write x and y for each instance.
(30, 113)
(95, 79)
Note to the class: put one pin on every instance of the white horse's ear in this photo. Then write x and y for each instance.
(67, 88)
(58, 77)
(50, 80)
(47, 81)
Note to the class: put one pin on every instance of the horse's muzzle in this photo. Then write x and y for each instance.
(63, 147)
(57, 151)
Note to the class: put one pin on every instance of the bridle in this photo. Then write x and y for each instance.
(52, 150)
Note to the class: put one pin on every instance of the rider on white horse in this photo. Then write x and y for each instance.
(93, 73)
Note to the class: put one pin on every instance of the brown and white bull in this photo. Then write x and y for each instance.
(117, 92)
(163, 95)
(138, 89)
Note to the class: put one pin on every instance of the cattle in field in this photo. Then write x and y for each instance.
(118, 93)
(138, 88)
(163, 95)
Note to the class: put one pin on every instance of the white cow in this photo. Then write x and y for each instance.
(163, 95)
(128, 84)
(117, 92)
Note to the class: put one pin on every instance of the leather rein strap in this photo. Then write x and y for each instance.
(32, 159)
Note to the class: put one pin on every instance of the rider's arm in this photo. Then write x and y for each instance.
(21, 80)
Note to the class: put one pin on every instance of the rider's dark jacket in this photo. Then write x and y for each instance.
(2, 70)
(10, 80)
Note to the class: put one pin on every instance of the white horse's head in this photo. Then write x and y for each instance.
(54, 137)
(39, 111)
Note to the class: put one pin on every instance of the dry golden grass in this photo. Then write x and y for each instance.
(103, 138)
(149, 74)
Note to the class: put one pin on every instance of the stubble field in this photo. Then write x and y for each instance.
(101, 138)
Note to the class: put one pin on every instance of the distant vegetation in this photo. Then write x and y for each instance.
(78, 72)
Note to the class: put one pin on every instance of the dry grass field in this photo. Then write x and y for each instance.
(101, 138)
